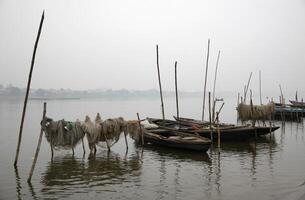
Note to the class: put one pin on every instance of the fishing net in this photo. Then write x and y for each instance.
(255, 112)
(133, 129)
(62, 134)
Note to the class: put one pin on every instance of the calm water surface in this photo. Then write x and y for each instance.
(269, 168)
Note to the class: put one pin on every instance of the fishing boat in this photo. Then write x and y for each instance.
(289, 112)
(193, 122)
(174, 139)
(299, 104)
(232, 133)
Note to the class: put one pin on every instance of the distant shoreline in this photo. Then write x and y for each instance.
(54, 98)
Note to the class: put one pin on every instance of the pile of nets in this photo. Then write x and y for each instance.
(62, 134)
(255, 112)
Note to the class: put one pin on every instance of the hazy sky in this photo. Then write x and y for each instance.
(111, 44)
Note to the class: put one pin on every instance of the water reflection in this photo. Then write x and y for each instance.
(18, 184)
(178, 154)
(65, 176)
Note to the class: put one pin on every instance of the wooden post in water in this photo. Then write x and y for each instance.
(218, 130)
(52, 151)
(83, 146)
(107, 143)
(27, 90)
(206, 77)
(160, 87)
(176, 89)
(210, 117)
(39, 143)
(141, 131)
(260, 88)
(214, 85)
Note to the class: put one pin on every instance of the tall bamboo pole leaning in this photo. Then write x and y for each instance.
(39, 143)
(176, 89)
(160, 87)
(260, 87)
(28, 89)
(247, 87)
(214, 86)
(206, 76)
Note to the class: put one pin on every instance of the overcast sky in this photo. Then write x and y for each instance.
(111, 44)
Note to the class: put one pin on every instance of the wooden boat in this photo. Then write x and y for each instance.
(288, 112)
(226, 133)
(174, 139)
(299, 104)
(199, 122)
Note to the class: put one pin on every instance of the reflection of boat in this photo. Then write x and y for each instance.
(174, 139)
(226, 133)
(178, 154)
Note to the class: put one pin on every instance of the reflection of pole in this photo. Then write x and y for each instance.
(27, 90)
(160, 87)
(18, 184)
(205, 81)
(39, 142)
(176, 88)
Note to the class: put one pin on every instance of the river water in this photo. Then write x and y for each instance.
(268, 168)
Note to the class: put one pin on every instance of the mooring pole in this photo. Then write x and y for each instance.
(260, 88)
(214, 102)
(206, 76)
(210, 117)
(141, 131)
(39, 143)
(27, 90)
(160, 87)
(83, 146)
(176, 89)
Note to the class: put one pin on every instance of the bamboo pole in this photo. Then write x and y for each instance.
(160, 87)
(247, 87)
(237, 99)
(260, 88)
(39, 143)
(218, 131)
(210, 117)
(83, 146)
(214, 85)
(141, 131)
(282, 96)
(206, 77)
(27, 90)
(176, 89)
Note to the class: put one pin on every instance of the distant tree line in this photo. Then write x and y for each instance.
(13, 91)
